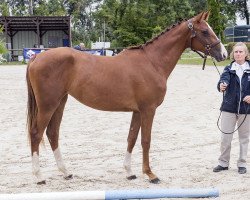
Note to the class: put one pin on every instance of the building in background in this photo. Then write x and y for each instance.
(100, 45)
(35, 32)
(239, 33)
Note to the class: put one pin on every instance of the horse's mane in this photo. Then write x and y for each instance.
(156, 37)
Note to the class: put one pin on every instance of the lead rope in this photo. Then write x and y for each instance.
(223, 96)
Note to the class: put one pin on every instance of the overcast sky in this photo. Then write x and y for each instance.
(240, 22)
(243, 22)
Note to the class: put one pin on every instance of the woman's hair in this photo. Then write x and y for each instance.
(245, 49)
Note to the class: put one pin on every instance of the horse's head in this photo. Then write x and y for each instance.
(204, 39)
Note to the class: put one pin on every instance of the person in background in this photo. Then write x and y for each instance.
(114, 52)
(235, 84)
(80, 47)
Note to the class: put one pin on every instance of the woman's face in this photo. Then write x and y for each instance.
(239, 54)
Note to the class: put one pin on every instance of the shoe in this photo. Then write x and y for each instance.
(242, 170)
(219, 168)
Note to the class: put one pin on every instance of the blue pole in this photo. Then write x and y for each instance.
(161, 193)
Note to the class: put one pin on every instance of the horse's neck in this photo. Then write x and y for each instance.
(165, 51)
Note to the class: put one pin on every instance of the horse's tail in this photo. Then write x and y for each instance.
(31, 104)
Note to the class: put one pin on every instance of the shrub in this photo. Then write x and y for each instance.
(3, 50)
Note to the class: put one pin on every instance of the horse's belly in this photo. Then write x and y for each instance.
(106, 101)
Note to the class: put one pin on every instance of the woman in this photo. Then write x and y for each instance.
(235, 84)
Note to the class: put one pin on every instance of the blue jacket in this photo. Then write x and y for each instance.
(78, 47)
(235, 93)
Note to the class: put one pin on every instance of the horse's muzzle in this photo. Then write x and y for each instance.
(219, 53)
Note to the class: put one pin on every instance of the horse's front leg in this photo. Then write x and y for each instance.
(132, 137)
(147, 117)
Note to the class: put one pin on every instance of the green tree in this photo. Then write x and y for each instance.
(49, 8)
(40, 7)
(133, 22)
(19, 8)
(216, 19)
(82, 19)
(228, 10)
(129, 22)
(243, 10)
(126, 22)
(4, 8)
(198, 6)
(2, 46)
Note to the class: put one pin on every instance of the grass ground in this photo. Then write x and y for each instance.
(192, 58)
(12, 63)
(199, 61)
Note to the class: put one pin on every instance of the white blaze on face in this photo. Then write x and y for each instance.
(224, 53)
(36, 166)
(127, 164)
(60, 163)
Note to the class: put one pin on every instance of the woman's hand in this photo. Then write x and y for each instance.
(223, 87)
(247, 99)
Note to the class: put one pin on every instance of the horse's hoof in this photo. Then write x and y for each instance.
(155, 181)
(41, 182)
(69, 177)
(131, 177)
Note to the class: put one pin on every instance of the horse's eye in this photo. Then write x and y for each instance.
(205, 33)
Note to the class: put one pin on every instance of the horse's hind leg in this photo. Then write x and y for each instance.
(36, 135)
(132, 137)
(52, 133)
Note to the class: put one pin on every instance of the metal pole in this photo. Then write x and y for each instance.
(104, 34)
(69, 29)
(38, 32)
(233, 34)
(6, 32)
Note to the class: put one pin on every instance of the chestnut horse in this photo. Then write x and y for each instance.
(132, 81)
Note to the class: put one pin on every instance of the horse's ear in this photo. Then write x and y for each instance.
(202, 16)
(199, 17)
(206, 15)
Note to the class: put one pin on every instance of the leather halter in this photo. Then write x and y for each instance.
(208, 47)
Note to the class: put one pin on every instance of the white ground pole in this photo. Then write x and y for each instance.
(161, 193)
(86, 195)
(116, 194)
